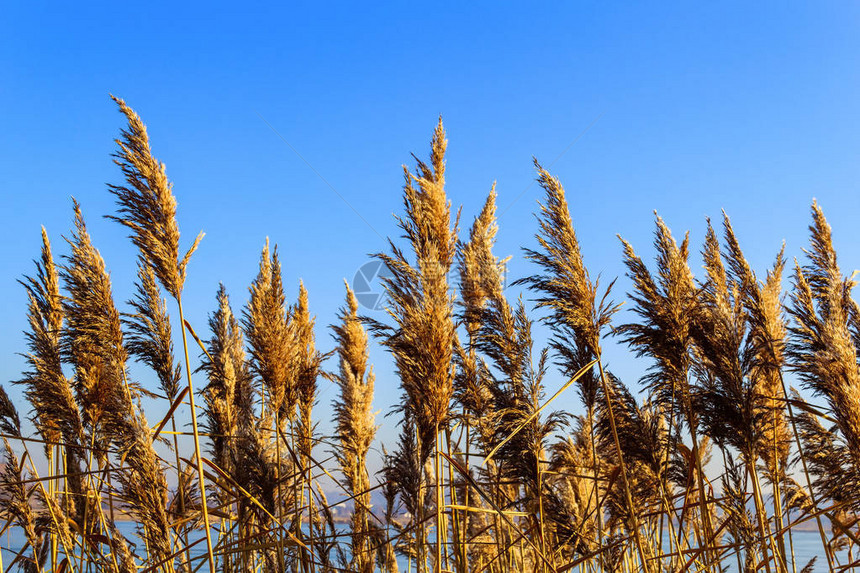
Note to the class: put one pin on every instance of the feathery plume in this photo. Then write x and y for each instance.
(270, 336)
(55, 410)
(480, 281)
(477, 265)
(93, 338)
(94, 342)
(147, 205)
(307, 370)
(423, 336)
(355, 425)
(767, 333)
(229, 395)
(665, 303)
(576, 315)
(150, 339)
(821, 346)
(565, 289)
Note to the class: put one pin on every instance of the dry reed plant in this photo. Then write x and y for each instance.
(711, 463)
(577, 318)
(147, 207)
(355, 427)
(420, 303)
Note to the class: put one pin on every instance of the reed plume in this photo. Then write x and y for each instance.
(576, 315)
(93, 337)
(229, 393)
(420, 304)
(821, 346)
(147, 207)
(480, 281)
(150, 341)
(149, 338)
(665, 303)
(726, 402)
(230, 417)
(307, 371)
(386, 556)
(15, 501)
(355, 426)
(424, 336)
(55, 410)
(270, 337)
(94, 341)
(731, 403)
(762, 302)
(767, 333)
(478, 267)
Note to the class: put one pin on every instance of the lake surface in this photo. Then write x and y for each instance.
(807, 544)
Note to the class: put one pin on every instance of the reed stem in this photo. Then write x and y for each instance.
(198, 458)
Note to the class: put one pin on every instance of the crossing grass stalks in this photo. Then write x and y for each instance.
(710, 461)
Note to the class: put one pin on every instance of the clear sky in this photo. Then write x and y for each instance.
(293, 122)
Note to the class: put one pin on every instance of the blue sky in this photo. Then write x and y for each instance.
(286, 121)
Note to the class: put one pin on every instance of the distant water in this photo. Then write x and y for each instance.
(807, 544)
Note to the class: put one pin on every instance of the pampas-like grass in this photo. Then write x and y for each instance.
(620, 488)
(767, 334)
(355, 426)
(419, 300)
(306, 372)
(478, 267)
(822, 349)
(93, 337)
(150, 338)
(147, 207)
(48, 390)
(420, 304)
(480, 282)
(665, 304)
(270, 337)
(576, 315)
(228, 394)
(56, 414)
(94, 340)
